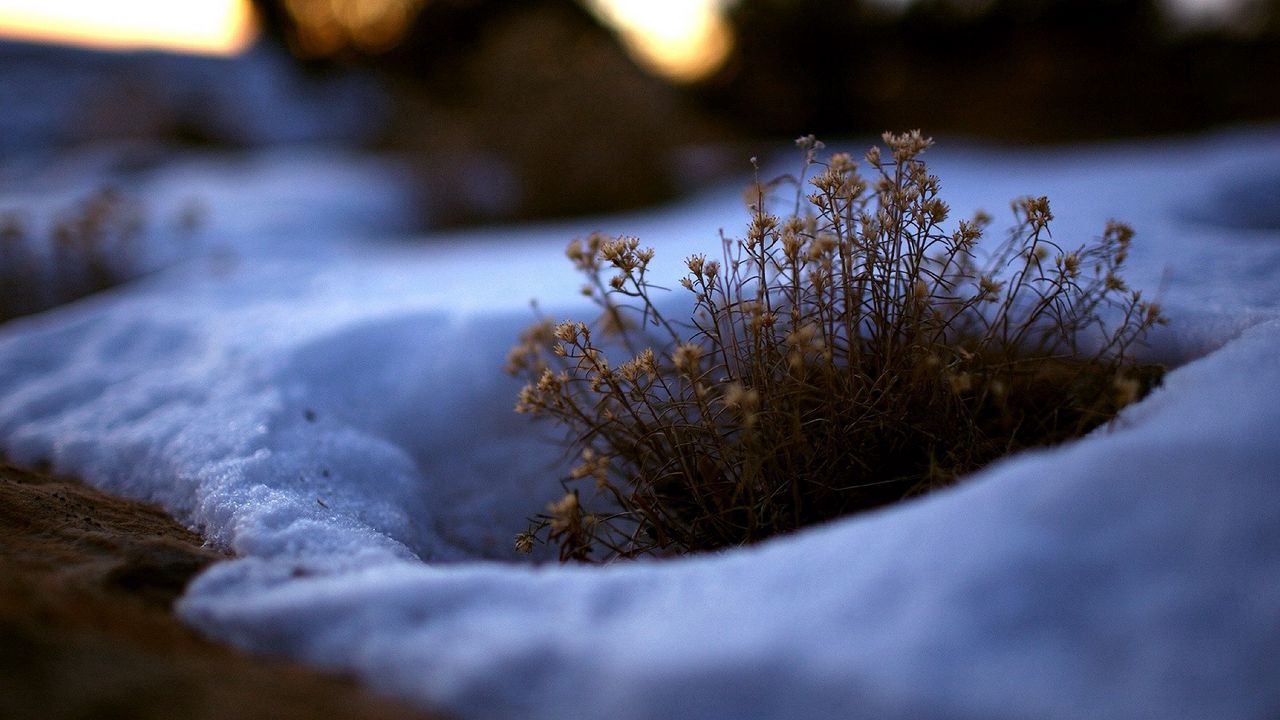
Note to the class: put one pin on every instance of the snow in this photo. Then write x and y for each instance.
(55, 96)
(335, 414)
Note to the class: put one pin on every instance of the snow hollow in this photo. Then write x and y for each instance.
(330, 406)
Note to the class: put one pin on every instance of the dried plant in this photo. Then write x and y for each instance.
(90, 247)
(840, 357)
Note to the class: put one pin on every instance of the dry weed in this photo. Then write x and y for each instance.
(844, 355)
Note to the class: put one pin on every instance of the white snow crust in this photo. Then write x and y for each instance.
(336, 415)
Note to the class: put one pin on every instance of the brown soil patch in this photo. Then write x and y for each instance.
(87, 582)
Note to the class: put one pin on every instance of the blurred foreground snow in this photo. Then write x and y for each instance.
(336, 415)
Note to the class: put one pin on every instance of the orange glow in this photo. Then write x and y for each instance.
(327, 26)
(211, 27)
(685, 40)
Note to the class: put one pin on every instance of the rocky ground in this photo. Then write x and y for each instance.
(87, 583)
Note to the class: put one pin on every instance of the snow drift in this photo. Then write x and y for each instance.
(338, 418)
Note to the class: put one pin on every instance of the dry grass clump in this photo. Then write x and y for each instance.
(89, 248)
(847, 354)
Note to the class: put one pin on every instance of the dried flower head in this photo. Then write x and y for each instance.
(686, 358)
(907, 146)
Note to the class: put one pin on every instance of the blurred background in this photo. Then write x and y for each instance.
(503, 110)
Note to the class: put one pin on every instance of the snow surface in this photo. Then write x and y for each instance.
(287, 200)
(335, 415)
(57, 96)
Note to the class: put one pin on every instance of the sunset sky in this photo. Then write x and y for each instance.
(219, 27)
